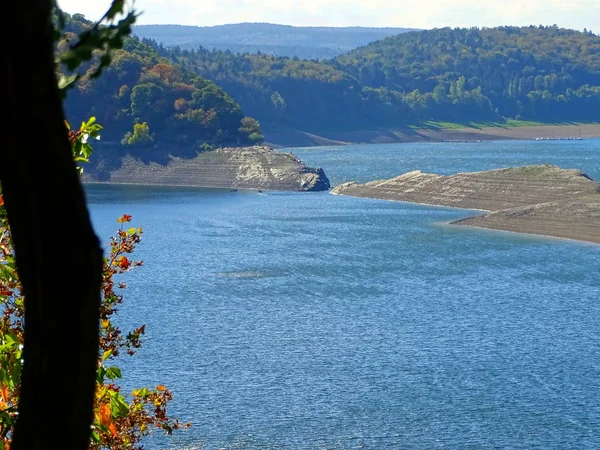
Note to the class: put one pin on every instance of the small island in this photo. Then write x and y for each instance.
(257, 167)
(537, 199)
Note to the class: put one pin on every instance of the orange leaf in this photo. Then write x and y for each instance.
(124, 263)
(1, 200)
(112, 429)
(4, 394)
(160, 387)
(105, 417)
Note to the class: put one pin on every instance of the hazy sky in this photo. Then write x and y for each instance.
(578, 14)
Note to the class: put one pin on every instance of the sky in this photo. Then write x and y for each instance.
(576, 14)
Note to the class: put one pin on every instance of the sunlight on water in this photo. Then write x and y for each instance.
(302, 321)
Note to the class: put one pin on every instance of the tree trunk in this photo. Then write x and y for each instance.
(59, 259)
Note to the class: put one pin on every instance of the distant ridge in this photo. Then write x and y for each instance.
(283, 40)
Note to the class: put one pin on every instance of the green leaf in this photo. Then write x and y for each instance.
(113, 372)
(100, 374)
(115, 8)
(65, 82)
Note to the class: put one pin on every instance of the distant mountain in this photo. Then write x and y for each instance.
(281, 40)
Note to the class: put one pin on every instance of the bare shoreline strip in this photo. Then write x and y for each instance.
(288, 137)
(541, 200)
(258, 168)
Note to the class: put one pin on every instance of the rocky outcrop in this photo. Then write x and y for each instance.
(540, 199)
(231, 168)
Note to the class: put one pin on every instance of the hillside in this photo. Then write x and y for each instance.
(543, 73)
(460, 75)
(192, 98)
(272, 39)
(144, 100)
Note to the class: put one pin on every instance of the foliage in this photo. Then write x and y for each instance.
(543, 73)
(101, 38)
(251, 128)
(140, 137)
(459, 75)
(140, 85)
(119, 422)
(450, 75)
(78, 139)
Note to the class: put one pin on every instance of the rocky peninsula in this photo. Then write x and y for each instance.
(538, 199)
(256, 167)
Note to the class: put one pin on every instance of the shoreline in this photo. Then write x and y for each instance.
(524, 233)
(538, 200)
(253, 168)
(284, 137)
(457, 223)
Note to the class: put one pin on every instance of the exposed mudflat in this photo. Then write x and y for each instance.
(288, 137)
(231, 168)
(577, 218)
(538, 199)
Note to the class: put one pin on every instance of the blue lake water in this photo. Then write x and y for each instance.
(313, 321)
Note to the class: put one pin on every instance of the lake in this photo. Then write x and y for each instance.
(314, 321)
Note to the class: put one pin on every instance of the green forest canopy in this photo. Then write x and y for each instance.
(143, 97)
(534, 73)
(459, 75)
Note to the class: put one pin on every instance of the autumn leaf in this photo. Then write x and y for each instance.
(124, 263)
(112, 429)
(124, 218)
(105, 417)
(4, 393)
(161, 388)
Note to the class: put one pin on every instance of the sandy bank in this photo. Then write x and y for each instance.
(231, 168)
(571, 219)
(539, 199)
(287, 137)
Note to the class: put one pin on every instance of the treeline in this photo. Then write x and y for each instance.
(146, 100)
(539, 73)
(151, 93)
(533, 73)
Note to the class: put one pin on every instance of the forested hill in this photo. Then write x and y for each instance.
(144, 100)
(272, 39)
(459, 75)
(544, 73)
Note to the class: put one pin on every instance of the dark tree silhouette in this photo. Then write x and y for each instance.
(58, 255)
